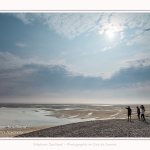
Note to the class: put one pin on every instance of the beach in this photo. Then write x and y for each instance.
(106, 120)
(99, 129)
(14, 131)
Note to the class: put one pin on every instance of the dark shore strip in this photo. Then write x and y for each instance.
(98, 128)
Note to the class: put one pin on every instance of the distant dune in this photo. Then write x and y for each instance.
(98, 128)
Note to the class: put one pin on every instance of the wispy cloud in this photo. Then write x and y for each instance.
(140, 39)
(20, 45)
(27, 18)
(10, 61)
(110, 47)
(106, 48)
(121, 35)
(139, 60)
(71, 25)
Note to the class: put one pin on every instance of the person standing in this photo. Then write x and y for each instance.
(138, 112)
(129, 112)
(142, 113)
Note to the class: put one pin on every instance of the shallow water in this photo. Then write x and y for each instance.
(31, 117)
(55, 114)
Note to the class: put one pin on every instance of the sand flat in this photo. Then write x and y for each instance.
(101, 112)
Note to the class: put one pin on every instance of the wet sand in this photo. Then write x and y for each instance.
(11, 132)
(96, 112)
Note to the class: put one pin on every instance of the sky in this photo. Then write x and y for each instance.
(75, 57)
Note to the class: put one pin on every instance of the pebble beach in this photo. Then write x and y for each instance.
(98, 128)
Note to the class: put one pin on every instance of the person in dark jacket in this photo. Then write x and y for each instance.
(129, 112)
(138, 112)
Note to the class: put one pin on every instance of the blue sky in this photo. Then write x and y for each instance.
(75, 57)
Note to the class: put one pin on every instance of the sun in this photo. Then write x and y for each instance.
(110, 33)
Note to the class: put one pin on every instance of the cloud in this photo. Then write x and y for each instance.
(106, 48)
(71, 25)
(114, 21)
(131, 77)
(137, 32)
(138, 63)
(121, 35)
(27, 18)
(20, 45)
(110, 47)
(10, 61)
(140, 39)
(139, 60)
(121, 22)
(100, 32)
(34, 78)
(147, 29)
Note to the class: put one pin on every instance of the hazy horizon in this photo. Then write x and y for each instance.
(98, 104)
(82, 58)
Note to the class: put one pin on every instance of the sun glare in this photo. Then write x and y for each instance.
(110, 33)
